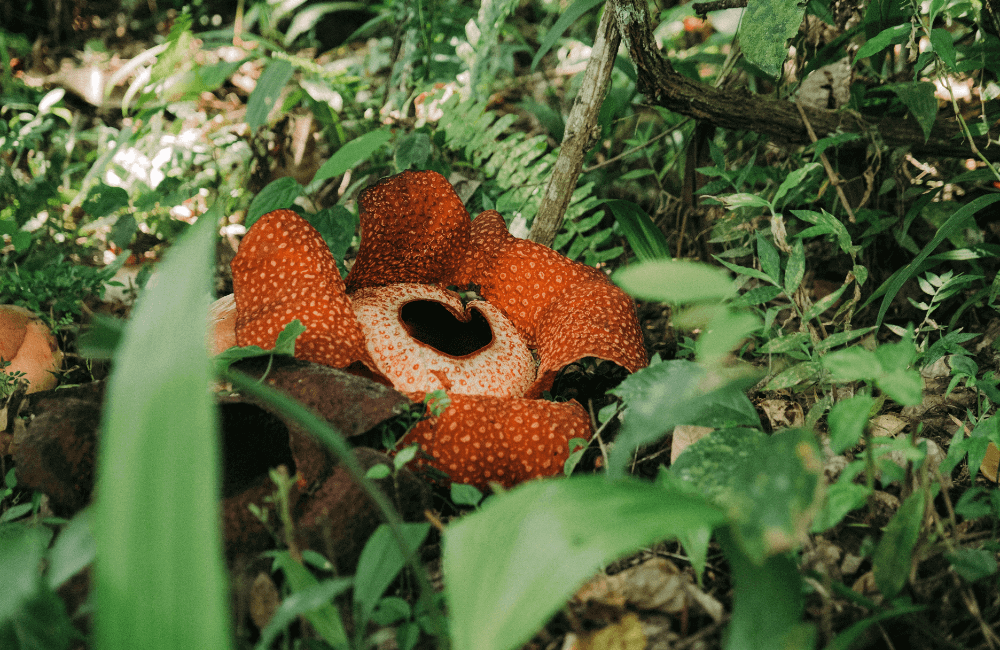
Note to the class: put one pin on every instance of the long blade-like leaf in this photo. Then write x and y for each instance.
(159, 578)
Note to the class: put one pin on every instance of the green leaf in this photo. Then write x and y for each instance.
(568, 17)
(103, 200)
(302, 602)
(669, 393)
(918, 96)
(893, 556)
(321, 613)
(841, 498)
(723, 334)
(973, 563)
(515, 562)
(774, 493)
(707, 464)
(279, 194)
(770, 261)
(742, 200)
(847, 421)
(21, 550)
(944, 46)
(123, 231)
(159, 579)
(793, 181)
(352, 153)
(824, 303)
(852, 364)
(794, 375)
(643, 236)
(796, 268)
(272, 81)
(73, 550)
(885, 38)
(767, 601)
(756, 296)
(380, 563)
(676, 282)
(412, 151)
(465, 495)
(764, 32)
(745, 270)
(892, 286)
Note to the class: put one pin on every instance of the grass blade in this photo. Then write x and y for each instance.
(159, 577)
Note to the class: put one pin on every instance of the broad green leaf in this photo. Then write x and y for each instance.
(849, 638)
(413, 150)
(645, 238)
(675, 282)
(73, 550)
(774, 493)
(285, 344)
(669, 393)
(893, 556)
(309, 15)
(724, 333)
(352, 153)
(279, 194)
(123, 231)
(770, 260)
(918, 96)
(21, 550)
(841, 498)
(885, 38)
(707, 464)
(764, 32)
(795, 268)
(767, 601)
(269, 86)
(944, 46)
(337, 226)
(103, 200)
(159, 578)
(568, 17)
(827, 224)
(852, 364)
(973, 563)
(847, 421)
(515, 562)
(380, 562)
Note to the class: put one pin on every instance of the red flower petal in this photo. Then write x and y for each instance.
(283, 271)
(479, 439)
(566, 310)
(504, 367)
(414, 228)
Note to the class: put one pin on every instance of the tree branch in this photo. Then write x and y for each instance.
(742, 110)
(580, 134)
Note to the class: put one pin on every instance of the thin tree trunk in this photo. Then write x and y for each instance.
(581, 132)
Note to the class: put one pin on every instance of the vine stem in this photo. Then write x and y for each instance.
(581, 132)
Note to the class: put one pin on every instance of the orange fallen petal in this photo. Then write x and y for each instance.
(422, 338)
(283, 271)
(479, 439)
(565, 309)
(414, 228)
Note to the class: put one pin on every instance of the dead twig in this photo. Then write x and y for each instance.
(830, 173)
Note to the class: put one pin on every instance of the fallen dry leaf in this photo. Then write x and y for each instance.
(887, 425)
(686, 435)
(656, 584)
(626, 634)
(783, 413)
(991, 463)
(264, 600)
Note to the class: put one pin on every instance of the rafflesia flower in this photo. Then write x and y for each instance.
(396, 317)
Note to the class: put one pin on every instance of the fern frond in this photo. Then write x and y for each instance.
(520, 165)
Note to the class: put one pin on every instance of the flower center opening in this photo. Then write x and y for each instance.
(432, 324)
